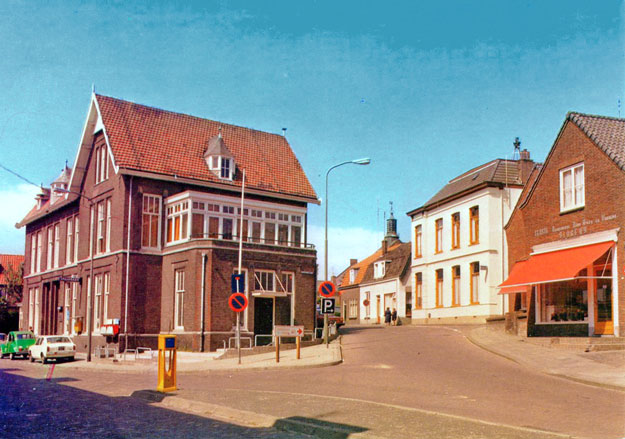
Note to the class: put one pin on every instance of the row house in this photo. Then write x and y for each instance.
(142, 235)
(378, 282)
(566, 232)
(459, 254)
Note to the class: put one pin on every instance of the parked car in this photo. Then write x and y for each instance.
(47, 347)
(17, 344)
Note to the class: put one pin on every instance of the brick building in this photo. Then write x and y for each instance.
(141, 236)
(565, 234)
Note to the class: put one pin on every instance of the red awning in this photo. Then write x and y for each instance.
(554, 266)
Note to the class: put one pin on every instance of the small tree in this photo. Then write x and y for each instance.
(10, 297)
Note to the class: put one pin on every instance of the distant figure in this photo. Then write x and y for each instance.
(387, 317)
(394, 317)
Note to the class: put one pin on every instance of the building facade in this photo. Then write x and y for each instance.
(459, 254)
(566, 235)
(142, 235)
(378, 282)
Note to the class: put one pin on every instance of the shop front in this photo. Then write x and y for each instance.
(569, 291)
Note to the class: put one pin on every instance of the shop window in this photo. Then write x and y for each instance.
(564, 302)
(572, 187)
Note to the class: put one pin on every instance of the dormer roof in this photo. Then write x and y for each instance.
(217, 146)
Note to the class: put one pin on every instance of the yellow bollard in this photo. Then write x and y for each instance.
(166, 363)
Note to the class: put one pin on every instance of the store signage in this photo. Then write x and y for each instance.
(575, 228)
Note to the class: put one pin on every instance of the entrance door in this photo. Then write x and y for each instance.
(263, 319)
(604, 325)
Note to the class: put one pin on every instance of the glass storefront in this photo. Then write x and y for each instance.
(564, 302)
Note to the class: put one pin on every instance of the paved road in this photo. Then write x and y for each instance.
(402, 382)
(393, 377)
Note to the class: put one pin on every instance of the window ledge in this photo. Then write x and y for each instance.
(572, 210)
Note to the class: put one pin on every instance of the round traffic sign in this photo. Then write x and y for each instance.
(327, 289)
(237, 302)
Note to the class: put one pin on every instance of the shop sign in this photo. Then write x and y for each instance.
(575, 228)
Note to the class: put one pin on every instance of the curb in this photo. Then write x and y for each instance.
(249, 419)
(543, 370)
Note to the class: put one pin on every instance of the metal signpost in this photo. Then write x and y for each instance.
(326, 290)
(238, 303)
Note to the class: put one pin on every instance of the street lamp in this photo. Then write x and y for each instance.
(363, 161)
(91, 279)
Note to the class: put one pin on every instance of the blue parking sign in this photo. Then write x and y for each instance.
(238, 282)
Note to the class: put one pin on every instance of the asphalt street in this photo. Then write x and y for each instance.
(398, 382)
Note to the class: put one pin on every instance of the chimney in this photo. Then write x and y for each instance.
(384, 246)
(353, 262)
(526, 164)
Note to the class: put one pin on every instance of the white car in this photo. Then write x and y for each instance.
(47, 347)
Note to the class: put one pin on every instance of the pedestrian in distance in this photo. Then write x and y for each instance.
(387, 317)
(394, 317)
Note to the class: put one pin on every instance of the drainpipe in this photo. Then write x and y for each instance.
(503, 260)
(128, 265)
(204, 257)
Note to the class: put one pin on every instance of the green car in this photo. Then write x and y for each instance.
(17, 344)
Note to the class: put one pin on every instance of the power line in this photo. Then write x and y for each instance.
(19, 176)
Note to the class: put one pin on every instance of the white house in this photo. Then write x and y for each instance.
(459, 254)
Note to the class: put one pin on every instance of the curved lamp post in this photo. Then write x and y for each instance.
(91, 279)
(363, 161)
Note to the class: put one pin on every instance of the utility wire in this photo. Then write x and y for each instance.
(19, 176)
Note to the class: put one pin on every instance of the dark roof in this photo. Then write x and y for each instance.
(397, 261)
(608, 133)
(363, 265)
(496, 172)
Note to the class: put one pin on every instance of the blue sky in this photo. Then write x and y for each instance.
(427, 90)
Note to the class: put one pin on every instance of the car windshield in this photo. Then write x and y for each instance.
(24, 336)
(58, 340)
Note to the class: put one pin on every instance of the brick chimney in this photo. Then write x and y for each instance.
(353, 262)
(384, 246)
(526, 164)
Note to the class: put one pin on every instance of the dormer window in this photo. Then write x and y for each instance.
(379, 269)
(352, 275)
(219, 159)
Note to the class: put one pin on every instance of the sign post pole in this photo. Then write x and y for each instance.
(277, 349)
(238, 302)
(326, 289)
(297, 341)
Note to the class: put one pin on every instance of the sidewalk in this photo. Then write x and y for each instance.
(311, 356)
(604, 369)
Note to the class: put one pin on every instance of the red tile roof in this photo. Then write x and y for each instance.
(608, 133)
(5, 262)
(162, 142)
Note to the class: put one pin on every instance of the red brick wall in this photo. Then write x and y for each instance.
(540, 219)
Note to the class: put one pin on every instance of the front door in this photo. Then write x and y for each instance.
(263, 319)
(604, 324)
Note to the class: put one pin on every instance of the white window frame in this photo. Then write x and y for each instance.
(75, 286)
(39, 249)
(353, 273)
(379, 269)
(33, 253)
(577, 190)
(178, 210)
(179, 290)
(97, 306)
(108, 225)
(31, 307)
(76, 227)
(50, 254)
(105, 303)
(57, 245)
(69, 244)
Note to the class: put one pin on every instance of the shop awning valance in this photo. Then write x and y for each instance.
(554, 266)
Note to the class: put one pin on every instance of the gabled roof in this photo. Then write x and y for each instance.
(162, 142)
(608, 133)
(496, 172)
(394, 253)
(5, 261)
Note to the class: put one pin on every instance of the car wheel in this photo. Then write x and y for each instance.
(71, 358)
(12, 356)
(43, 359)
(32, 359)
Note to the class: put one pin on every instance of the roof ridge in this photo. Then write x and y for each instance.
(177, 113)
(572, 114)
